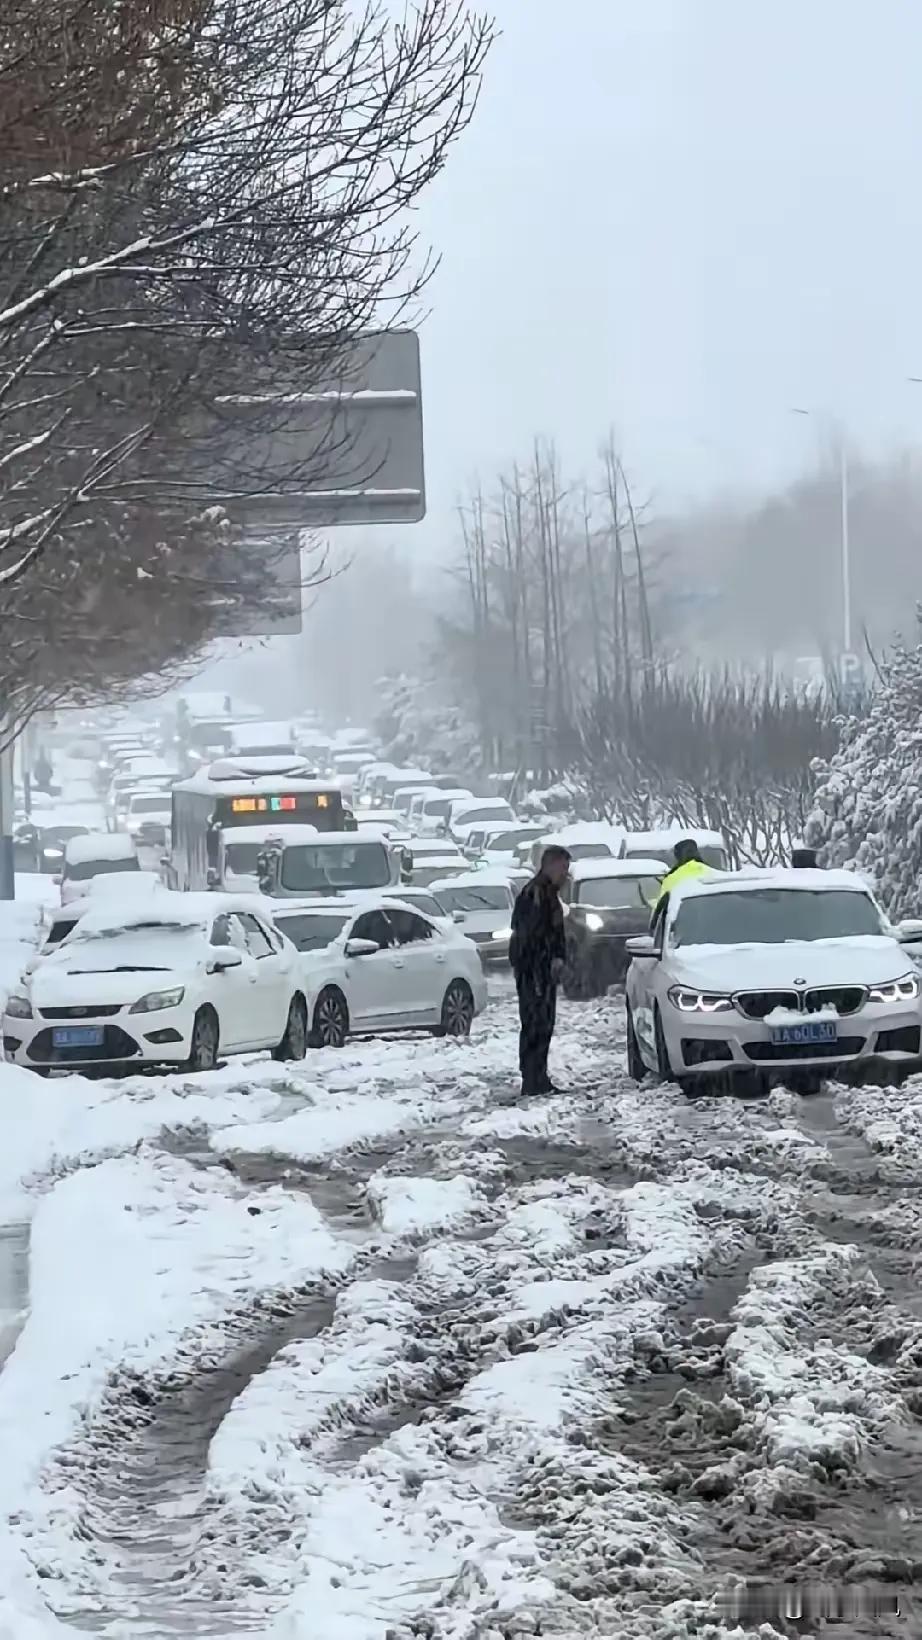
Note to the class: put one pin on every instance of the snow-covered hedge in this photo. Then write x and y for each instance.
(867, 812)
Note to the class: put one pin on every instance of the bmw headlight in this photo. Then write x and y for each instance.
(698, 1002)
(19, 1007)
(503, 934)
(155, 1000)
(904, 989)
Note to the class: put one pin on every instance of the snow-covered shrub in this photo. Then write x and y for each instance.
(867, 810)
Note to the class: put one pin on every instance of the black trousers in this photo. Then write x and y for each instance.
(537, 1017)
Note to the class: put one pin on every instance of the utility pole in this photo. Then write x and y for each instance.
(7, 808)
(846, 551)
(845, 560)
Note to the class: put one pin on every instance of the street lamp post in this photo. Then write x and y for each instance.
(844, 535)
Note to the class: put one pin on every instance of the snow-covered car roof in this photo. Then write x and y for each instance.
(230, 776)
(751, 878)
(489, 878)
(116, 885)
(582, 871)
(168, 910)
(586, 831)
(431, 847)
(668, 836)
(98, 845)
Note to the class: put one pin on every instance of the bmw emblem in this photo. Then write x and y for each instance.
(800, 981)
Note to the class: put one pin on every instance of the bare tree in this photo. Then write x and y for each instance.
(201, 200)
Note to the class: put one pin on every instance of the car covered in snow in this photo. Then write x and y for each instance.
(467, 813)
(173, 979)
(94, 854)
(642, 845)
(147, 816)
(606, 903)
(301, 861)
(431, 815)
(583, 840)
(424, 859)
(785, 973)
(480, 903)
(495, 843)
(377, 967)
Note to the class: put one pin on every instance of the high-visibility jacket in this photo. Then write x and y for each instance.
(681, 874)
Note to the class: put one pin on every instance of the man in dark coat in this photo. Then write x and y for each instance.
(537, 953)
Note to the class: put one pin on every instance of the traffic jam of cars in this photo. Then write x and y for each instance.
(251, 886)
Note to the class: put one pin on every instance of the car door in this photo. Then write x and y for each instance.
(271, 994)
(419, 960)
(374, 984)
(231, 990)
(641, 990)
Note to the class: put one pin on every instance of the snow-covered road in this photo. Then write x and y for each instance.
(362, 1348)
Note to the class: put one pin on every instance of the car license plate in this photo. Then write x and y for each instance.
(77, 1036)
(798, 1036)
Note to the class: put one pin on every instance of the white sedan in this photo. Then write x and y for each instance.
(785, 973)
(175, 979)
(385, 967)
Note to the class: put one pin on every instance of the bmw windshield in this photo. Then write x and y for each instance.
(772, 916)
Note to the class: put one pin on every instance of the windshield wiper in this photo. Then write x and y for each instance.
(122, 968)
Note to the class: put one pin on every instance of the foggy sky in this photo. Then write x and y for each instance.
(681, 217)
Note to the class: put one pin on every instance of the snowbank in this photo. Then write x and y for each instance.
(181, 1252)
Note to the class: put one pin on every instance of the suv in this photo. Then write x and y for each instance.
(791, 974)
(606, 902)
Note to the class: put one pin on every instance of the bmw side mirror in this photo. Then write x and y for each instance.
(643, 945)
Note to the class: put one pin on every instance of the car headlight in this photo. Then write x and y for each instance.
(904, 989)
(698, 1002)
(52, 853)
(503, 933)
(155, 1000)
(19, 1007)
(594, 922)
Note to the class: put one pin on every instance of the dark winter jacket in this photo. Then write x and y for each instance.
(538, 936)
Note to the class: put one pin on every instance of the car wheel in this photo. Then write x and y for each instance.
(457, 1010)
(635, 1065)
(203, 1051)
(294, 1043)
(662, 1052)
(331, 1021)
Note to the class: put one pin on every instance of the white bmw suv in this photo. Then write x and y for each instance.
(786, 973)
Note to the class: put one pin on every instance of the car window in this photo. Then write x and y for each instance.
(620, 893)
(426, 903)
(374, 925)
(409, 927)
(774, 916)
(257, 940)
(228, 930)
(311, 931)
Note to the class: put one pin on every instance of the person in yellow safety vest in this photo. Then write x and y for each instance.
(688, 864)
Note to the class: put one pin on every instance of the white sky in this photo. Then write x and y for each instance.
(680, 217)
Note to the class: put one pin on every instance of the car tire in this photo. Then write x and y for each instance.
(330, 1026)
(664, 1069)
(635, 1065)
(457, 1010)
(294, 1043)
(203, 1049)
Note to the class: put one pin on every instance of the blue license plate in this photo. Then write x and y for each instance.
(77, 1036)
(799, 1036)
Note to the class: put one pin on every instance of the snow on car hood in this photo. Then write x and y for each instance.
(53, 987)
(865, 959)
